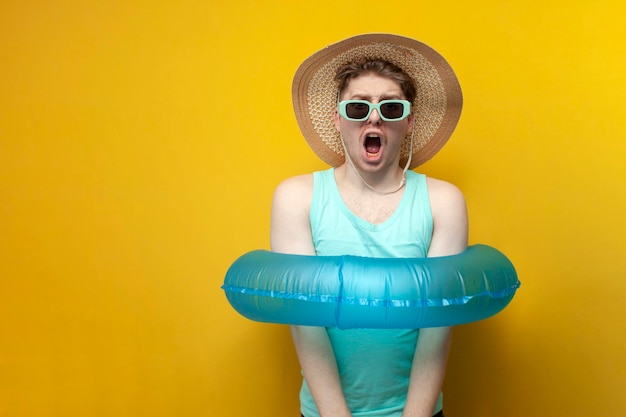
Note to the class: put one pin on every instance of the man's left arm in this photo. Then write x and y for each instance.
(433, 345)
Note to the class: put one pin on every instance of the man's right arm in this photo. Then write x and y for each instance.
(290, 232)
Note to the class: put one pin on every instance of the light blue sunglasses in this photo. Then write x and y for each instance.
(389, 110)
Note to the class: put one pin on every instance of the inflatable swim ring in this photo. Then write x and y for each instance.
(357, 292)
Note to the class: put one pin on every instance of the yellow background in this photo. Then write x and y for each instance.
(140, 142)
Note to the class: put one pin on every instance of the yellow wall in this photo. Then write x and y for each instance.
(140, 142)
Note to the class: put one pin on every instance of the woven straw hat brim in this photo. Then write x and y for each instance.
(437, 105)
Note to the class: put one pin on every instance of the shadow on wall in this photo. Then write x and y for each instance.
(263, 369)
(480, 359)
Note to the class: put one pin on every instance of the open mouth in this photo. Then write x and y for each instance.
(372, 145)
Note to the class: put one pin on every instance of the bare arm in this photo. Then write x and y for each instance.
(290, 232)
(433, 345)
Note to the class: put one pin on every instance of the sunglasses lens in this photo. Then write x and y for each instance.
(392, 109)
(357, 110)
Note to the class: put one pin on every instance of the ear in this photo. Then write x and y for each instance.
(337, 119)
(410, 120)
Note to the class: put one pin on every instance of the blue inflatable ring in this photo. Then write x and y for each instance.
(357, 292)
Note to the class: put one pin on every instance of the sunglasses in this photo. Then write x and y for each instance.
(389, 110)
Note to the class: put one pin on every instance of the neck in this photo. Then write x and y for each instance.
(382, 188)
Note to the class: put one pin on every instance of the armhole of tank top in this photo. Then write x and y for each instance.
(313, 209)
(314, 215)
(428, 207)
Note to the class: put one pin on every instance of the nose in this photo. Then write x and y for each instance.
(374, 117)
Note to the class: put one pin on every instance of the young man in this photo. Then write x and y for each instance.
(373, 107)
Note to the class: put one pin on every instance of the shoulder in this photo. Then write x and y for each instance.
(443, 194)
(296, 190)
(449, 218)
(290, 230)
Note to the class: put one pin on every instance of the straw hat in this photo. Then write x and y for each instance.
(437, 105)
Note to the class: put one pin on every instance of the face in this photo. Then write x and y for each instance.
(373, 144)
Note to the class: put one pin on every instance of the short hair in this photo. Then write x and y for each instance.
(386, 69)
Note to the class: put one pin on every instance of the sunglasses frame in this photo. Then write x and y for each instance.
(406, 109)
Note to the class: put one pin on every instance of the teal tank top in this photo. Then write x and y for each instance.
(374, 365)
